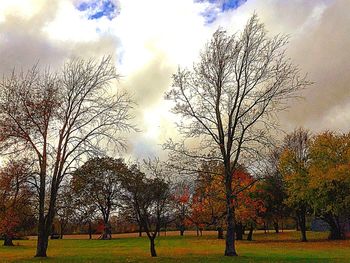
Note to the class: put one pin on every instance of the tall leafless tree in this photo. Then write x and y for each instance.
(229, 99)
(60, 118)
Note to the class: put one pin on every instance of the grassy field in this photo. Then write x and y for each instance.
(283, 247)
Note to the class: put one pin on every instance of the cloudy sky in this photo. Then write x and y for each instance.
(150, 38)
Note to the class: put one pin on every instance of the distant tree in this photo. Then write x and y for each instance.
(98, 183)
(330, 180)
(274, 191)
(16, 207)
(65, 208)
(57, 119)
(249, 204)
(149, 196)
(181, 203)
(294, 165)
(228, 100)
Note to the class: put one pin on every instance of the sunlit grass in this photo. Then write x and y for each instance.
(271, 247)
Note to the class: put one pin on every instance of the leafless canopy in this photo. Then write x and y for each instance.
(229, 99)
(58, 118)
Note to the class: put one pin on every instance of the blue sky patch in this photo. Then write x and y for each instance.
(219, 6)
(99, 8)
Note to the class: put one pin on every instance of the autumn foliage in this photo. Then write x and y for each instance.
(15, 194)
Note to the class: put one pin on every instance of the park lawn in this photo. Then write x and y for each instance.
(283, 247)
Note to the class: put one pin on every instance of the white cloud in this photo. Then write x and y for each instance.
(151, 38)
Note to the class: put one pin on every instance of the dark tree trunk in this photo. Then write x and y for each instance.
(297, 224)
(220, 232)
(201, 231)
(182, 230)
(153, 247)
(301, 214)
(197, 229)
(335, 234)
(282, 226)
(45, 221)
(250, 234)
(107, 233)
(276, 227)
(61, 230)
(90, 230)
(8, 240)
(239, 231)
(42, 243)
(336, 230)
(264, 227)
(140, 230)
(230, 249)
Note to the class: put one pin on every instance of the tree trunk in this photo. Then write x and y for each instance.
(90, 230)
(106, 232)
(153, 247)
(8, 240)
(250, 234)
(42, 243)
(336, 231)
(282, 226)
(297, 224)
(230, 249)
(201, 231)
(197, 229)
(239, 231)
(182, 230)
(140, 230)
(276, 227)
(220, 232)
(302, 223)
(61, 230)
(265, 227)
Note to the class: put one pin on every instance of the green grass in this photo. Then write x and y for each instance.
(283, 247)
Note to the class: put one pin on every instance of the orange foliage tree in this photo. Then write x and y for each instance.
(208, 205)
(15, 207)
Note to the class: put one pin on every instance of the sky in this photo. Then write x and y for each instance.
(149, 39)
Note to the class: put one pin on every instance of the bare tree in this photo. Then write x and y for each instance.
(60, 118)
(229, 99)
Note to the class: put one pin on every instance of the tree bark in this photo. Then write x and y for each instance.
(276, 227)
(336, 231)
(302, 223)
(220, 232)
(153, 247)
(107, 233)
(182, 230)
(42, 243)
(239, 231)
(230, 249)
(90, 230)
(140, 230)
(250, 234)
(8, 240)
